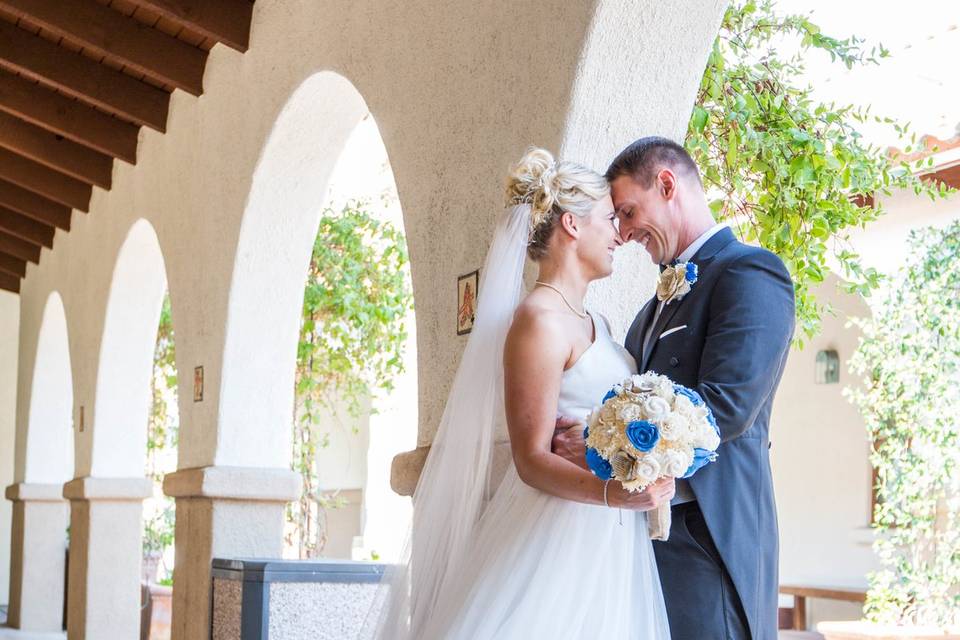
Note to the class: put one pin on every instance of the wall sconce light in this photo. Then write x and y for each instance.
(827, 367)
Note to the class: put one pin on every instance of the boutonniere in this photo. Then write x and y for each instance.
(676, 281)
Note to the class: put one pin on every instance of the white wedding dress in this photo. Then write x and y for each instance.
(521, 564)
(545, 567)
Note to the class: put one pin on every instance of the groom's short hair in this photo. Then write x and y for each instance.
(644, 159)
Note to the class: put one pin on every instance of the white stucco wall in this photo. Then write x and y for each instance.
(457, 98)
(9, 332)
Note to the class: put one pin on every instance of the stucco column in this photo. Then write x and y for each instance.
(223, 512)
(103, 599)
(37, 549)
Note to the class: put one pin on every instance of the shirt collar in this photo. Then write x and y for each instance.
(697, 244)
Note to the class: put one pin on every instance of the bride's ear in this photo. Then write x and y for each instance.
(571, 224)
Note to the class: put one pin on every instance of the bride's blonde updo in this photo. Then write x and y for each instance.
(551, 188)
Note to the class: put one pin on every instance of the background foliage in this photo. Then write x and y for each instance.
(352, 335)
(162, 429)
(910, 357)
(790, 173)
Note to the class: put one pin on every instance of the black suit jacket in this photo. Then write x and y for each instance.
(738, 321)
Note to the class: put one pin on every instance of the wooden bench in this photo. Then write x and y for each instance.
(801, 593)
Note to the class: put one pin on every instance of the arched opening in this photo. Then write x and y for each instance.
(324, 150)
(136, 418)
(355, 398)
(49, 450)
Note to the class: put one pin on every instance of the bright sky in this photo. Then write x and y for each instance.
(919, 83)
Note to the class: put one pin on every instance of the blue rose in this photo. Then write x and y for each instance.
(643, 435)
(701, 457)
(600, 467)
(689, 394)
(691, 274)
(610, 394)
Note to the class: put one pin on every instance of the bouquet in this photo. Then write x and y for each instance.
(649, 428)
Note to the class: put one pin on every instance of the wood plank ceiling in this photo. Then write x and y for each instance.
(78, 78)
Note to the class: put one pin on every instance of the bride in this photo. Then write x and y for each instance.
(555, 552)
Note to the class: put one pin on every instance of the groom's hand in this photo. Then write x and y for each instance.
(568, 441)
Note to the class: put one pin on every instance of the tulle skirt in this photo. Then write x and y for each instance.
(543, 567)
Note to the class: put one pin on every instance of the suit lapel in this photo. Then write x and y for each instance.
(702, 259)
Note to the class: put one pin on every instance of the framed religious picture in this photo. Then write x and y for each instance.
(467, 286)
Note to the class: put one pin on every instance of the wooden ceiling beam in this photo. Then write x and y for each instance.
(33, 206)
(44, 181)
(9, 283)
(110, 33)
(226, 21)
(67, 117)
(12, 265)
(25, 228)
(83, 78)
(55, 152)
(19, 248)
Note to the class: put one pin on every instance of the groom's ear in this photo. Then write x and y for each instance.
(667, 183)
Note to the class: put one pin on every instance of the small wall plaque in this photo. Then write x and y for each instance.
(198, 384)
(467, 289)
(81, 426)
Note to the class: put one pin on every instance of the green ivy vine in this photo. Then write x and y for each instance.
(788, 172)
(352, 336)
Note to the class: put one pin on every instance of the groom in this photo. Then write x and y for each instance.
(728, 339)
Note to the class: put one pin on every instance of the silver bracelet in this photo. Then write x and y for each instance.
(606, 483)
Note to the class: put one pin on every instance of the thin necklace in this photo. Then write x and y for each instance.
(564, 298)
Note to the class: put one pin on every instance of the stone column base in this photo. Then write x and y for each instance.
(106, 522)
(224, 512)
(37, 556)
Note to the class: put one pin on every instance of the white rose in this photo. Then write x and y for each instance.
(628, 413)
(656, 407)
(684, 407)
(647, 469)
(672, 428)
(707, 438)
(675, 463)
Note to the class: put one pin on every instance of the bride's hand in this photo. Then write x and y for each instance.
(658, 493)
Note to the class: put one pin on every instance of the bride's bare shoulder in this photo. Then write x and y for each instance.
(536, 321)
